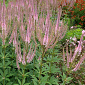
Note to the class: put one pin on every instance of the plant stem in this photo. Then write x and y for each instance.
(51, 63)
(23, 75)
(41, 63)
(35, 43)
(4, 67)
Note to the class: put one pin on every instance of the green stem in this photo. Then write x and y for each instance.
(23, 75)
(51, 63)
(4, 67)
(35, 43)
(41, 63)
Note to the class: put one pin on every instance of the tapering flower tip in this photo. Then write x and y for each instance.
(36, 13)
(11, 37)
(20, 58)
(51, 1)
(35, 17)
(3, 26)
(23, 62)
(83, 32)
(14, 42)
(22, 3)
(27, 39)
(31, 55)
(18, 67)
(80, 49)
(76, 50)
(39, 58)
(79, 63)
(58, 19)
(45, 39)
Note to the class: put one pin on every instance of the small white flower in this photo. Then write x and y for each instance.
(78, 42)
(74, 39)
(72, 27)
(70, 37)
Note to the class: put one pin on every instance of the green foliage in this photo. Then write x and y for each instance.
(76, 32)
(72, 33)
(29, 74)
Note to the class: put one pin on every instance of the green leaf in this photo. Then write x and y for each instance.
(44, 80)
(23, 80)
(68, 80)
(37, 66)
(54, 69)
(34, 79)
(64, 77)
(53, 80)
(56, 59)
(27, 74)
(27, 84)
(7, 55)
(9, 83)
(20, 72)
(7, 79)
(1, 65)
(6, 72)
(7, 64)
(1, 72)
(0, 83)
(9, 75)
(19, 81)
(45, 69)
(1, 78)
(0, 49)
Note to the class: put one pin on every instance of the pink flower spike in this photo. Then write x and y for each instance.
(58, 19)
(79, 63)
(45, 39)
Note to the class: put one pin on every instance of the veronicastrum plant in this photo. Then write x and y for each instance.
(28, 25)
(79, 51)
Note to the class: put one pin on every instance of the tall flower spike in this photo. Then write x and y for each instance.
(28, 34)
(46, 36)
(67, 56)
(78, 49)
(79, 63)
(35, 14)
(28, 55)
(58, 19)
(45, 39)
(3, 21)
(31, 55)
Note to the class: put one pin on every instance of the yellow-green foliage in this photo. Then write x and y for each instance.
(71, 33)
